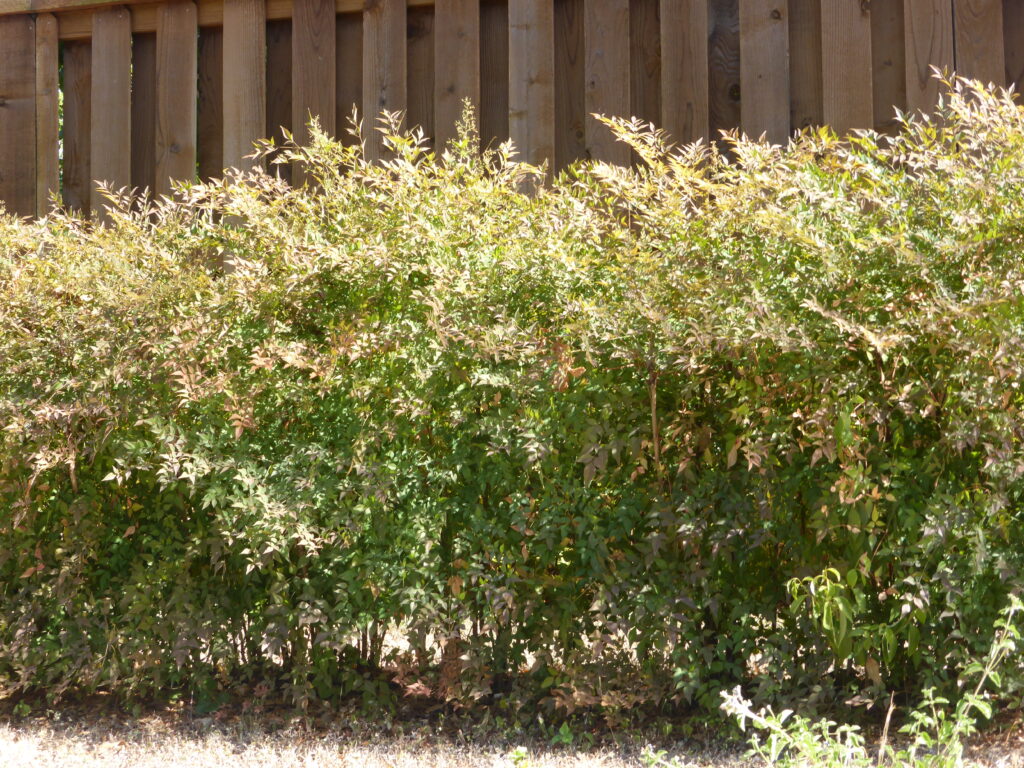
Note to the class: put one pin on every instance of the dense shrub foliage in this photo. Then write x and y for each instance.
(629, 440)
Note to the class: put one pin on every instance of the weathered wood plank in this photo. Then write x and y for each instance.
(384, 68)
(210, 105)
(888, 62)
(110, 132)
(456, 64)
(570, 109)
(606, 67)
(350, 72)
(245, 80)
(724, 67)
(684, 70)
(420, 59)
(847, 85)
(805, 88)
(494, 72)
(176, 94)
(531, 82)
(928, 33)
(47, 162)
(279, 89)
(645, 60)
(18, 115)
(764, 69)
(314, 91)
(1013, 42)
(144, 111)
(75, 170)
(978, 30)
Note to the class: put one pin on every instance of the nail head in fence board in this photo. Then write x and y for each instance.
(111, 136)
(1013, 42)
(456, 64)
(245, 80)
(764, 69)
(17, 115)
(684, 69)
(847, 86)
(350, 72)
(176, 93)
(144, 111)
(724, 67)
(384, 68)
(805, 97)
(47, 121)
(210, 105)
(494, 72)
(979, 31)
(888, 62)
(606, 67)
(570, 110)
(76, 174)
(531, 83)
(645, 60)
(420, 71)
(928, 30)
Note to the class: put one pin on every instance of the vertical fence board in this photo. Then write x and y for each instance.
(18, 115)
(47, 181)
(494, 74)
(176, 93)
(350, 72)
(75, 170)
(805, 70)
(764, 69)
(245, 79)
(724, 67)
(978, 29)
(314, 91)
(645, 61)
(1013, 42)
(928, 32)
(684, 69)
(847, 86)
(606, 67)
(456, 64)
(570, 110)
(384, 67)
(279, 78)
(111, 135)
(531, 86)
(888, 62)
(144, 111)
(420, 70)
(210, 107)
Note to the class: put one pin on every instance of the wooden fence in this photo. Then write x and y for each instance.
(154, 91)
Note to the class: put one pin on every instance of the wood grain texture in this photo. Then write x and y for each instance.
(384, 68)
(531, 82)
(176, 94)
(888, 62)
(684, 69)
(978, 28)
(75, 170)
(494, 72)
(245, 80)
(456, 64)
(18, 115)
(110, 133)
(570, 109)
(805, 88)
(645, 60)
(764, 69)
(420, 78)
(1013, 42)
(314, 91)
(47, 181)
(606, 69)
(847, 85)
(144, 111)
(724, 67)
(928, 35)
(279, 90)
(210, 105)
(350, 72)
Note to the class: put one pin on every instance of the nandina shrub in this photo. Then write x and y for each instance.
(629, 439)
